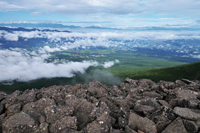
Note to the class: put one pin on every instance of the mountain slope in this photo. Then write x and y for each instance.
(188, 71)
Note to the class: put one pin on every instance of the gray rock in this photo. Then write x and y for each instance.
(186, 113)
(28, 96)
(101, 125)
(2, 95)
(148, 102)
(83, 111)
(43, 128)
(190, 126)
(16, 108)
(164, 103)
(144, 108)
(20, 122)
(129, 130)
(67, 122)
(162, 117)
(72, 100)
(152, 94)
(115, 91)
(175, 127)
(39, 105)
(54, 113)
(193, 103)
(136, 122)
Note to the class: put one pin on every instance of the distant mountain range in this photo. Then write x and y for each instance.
(10, 29)
(57, 25)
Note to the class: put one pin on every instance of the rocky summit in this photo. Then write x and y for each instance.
(134, 106)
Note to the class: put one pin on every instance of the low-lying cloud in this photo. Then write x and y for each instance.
(21, 65)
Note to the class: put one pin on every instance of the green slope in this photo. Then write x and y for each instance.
(188, 71)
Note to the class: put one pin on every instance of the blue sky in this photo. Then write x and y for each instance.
(106, 13)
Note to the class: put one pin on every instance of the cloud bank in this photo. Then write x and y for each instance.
(60, 41)
(21, 65)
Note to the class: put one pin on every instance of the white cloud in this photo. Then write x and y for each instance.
(48, 49)
(11, 37)
(110, 63)
(17, 64)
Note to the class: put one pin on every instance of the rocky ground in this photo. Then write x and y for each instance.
(135, 106)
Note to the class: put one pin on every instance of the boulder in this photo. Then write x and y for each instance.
(54, 113)
(129, 130)
(152, 94)
(20, 122)
(101, 125)
(175, 127)
(39, 105)
(191, 126)
(71, 100)
(43, 128)
(66, 122)
(136, 122)
(187, 113)
(162, 117)
(16, 108)
(2, 95)
(143, 109)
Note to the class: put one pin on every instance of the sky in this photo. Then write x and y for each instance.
(105, 13)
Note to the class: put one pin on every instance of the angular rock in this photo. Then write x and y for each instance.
(43, 128)
(39, 105)
(152, 94)
(164, 103)
(136, 122)
(20, 122)
(11, 99)
(114, 108)
(139, 131)
(16, 108)
(180, 83)
(99, 110)
(72, 100)
(131, 81)
(146, 83)
(101, 125)
(83, 111)
(115, 91)
(186, 94)
(54, 92)
(67, 122)
(81, 93)
(98, 92)
(28, 96)
(129, 130)
(144, 108)
(193, 103)
(162, 117)
(175, 127)
(191, 126)
(2, 95)
(186, 113)
(148, 102)
(54, 113)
